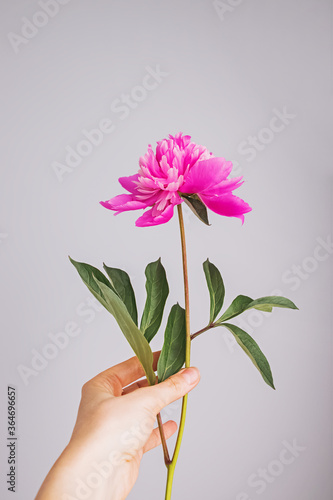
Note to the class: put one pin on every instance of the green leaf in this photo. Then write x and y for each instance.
(253, 351)
(243, 303)
(172, 356)
(265, 308)
(238, 305)
(87, 274)
(157, 292)
(121, 284)
(133, 335)
(216, 289)
(197, 206)
(273, 301)
(102, 289)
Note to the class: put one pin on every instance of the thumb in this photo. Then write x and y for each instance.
(158, 396)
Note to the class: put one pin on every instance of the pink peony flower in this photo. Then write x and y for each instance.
(179, 167)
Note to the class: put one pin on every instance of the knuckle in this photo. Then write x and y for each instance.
(113, 383)
(174, 384)
(85, 388)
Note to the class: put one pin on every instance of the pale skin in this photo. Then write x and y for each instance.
(115, 426)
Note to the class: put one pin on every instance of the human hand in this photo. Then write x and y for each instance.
(114, 428)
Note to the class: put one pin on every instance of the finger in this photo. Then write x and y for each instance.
(158, 396)
(115, 378)
(156, 355)
(137, 385)
(154, 439)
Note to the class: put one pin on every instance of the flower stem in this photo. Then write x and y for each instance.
(164, 444)
(186, 291)
(172, 464)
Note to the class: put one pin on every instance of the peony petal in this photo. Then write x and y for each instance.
(123, 202)
(149, 161)
(224, 187)
(178, 166)
(206, 174)
(227, 204)
(147, 219)
(181, 140)
(130, 183)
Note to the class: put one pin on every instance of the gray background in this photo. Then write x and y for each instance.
(224, 75)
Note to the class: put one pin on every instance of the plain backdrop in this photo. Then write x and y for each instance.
(252, 81)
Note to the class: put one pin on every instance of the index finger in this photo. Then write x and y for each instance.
(117, 377)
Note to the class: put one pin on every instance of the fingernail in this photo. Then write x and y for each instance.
(191, 375)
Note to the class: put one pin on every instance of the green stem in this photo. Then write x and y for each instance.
(172, 465)
(159, 420)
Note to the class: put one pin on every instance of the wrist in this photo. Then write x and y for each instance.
(80, 474)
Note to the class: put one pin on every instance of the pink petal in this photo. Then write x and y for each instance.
(227, 204)
(181, 140)
(130, 183)
(224, 187)
(148, 219)
(149, 162)
(205, 174)
(123, 202)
